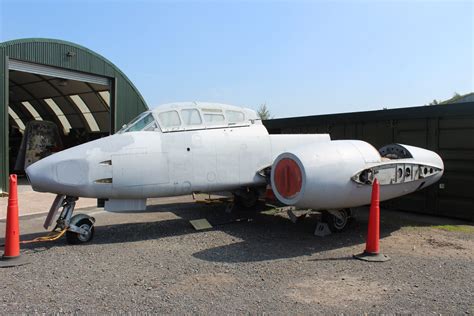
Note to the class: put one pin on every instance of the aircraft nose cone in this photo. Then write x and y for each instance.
(59, 173)
(41, 175)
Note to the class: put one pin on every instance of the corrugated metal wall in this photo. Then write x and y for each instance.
(128, 101)
(3, 123)
(446, 129)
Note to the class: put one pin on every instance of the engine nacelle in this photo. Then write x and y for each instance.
(339, 174)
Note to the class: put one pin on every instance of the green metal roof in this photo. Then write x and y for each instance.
(80, 47)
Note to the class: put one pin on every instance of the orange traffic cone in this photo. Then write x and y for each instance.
(11, 256)
(371, 252)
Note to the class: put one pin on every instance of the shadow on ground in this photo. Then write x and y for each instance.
(258, 236)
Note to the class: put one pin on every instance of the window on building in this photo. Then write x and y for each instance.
(59, 113)
(17, 119)
(32, 111)
(105, 95)
(86, 113)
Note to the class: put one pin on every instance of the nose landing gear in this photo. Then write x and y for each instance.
(79, 228)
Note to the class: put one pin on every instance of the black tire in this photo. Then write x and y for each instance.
(338, 223)
(77, 239)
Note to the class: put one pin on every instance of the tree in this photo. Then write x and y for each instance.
(263, 112)
(456, 96)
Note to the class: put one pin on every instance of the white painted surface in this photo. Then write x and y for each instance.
(125, 205)
(328, 168)
(210, 157)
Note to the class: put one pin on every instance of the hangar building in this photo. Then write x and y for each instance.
(81, 92)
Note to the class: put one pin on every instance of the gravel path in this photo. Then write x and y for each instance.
(155, 262)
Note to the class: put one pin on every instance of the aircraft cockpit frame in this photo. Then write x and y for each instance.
(191, 116)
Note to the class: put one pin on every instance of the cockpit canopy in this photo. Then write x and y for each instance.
(191, 116)
(143, 122)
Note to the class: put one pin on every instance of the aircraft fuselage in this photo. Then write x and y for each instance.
(181, 149)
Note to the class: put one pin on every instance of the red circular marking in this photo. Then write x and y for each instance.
(287, 178)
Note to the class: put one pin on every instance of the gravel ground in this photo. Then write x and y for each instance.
(155, 262)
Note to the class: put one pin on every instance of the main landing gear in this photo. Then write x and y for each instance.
(79, 228)
(247, 198)
(337, 220)
(333, 221)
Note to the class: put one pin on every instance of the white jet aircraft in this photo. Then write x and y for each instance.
(181, 148)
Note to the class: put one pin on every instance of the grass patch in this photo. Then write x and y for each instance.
(456, 228)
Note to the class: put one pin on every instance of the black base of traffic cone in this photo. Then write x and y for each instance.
(7, 262)
(372, 257)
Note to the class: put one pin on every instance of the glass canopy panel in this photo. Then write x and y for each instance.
(169, 119)
(126, 126)
(191, 117)
(234, 116)
(213, 119)
(143, 122)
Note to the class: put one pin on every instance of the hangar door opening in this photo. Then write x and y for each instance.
(51, 109)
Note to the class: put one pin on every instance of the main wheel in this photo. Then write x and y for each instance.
(246, 199)
(75, 238)
(338, 220)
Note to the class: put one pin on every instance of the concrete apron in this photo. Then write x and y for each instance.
(31, 202)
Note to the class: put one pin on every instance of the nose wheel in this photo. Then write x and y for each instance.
(79, 228)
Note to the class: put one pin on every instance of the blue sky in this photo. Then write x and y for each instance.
(300, 58)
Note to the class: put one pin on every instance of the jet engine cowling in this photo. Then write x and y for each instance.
(331, 175)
